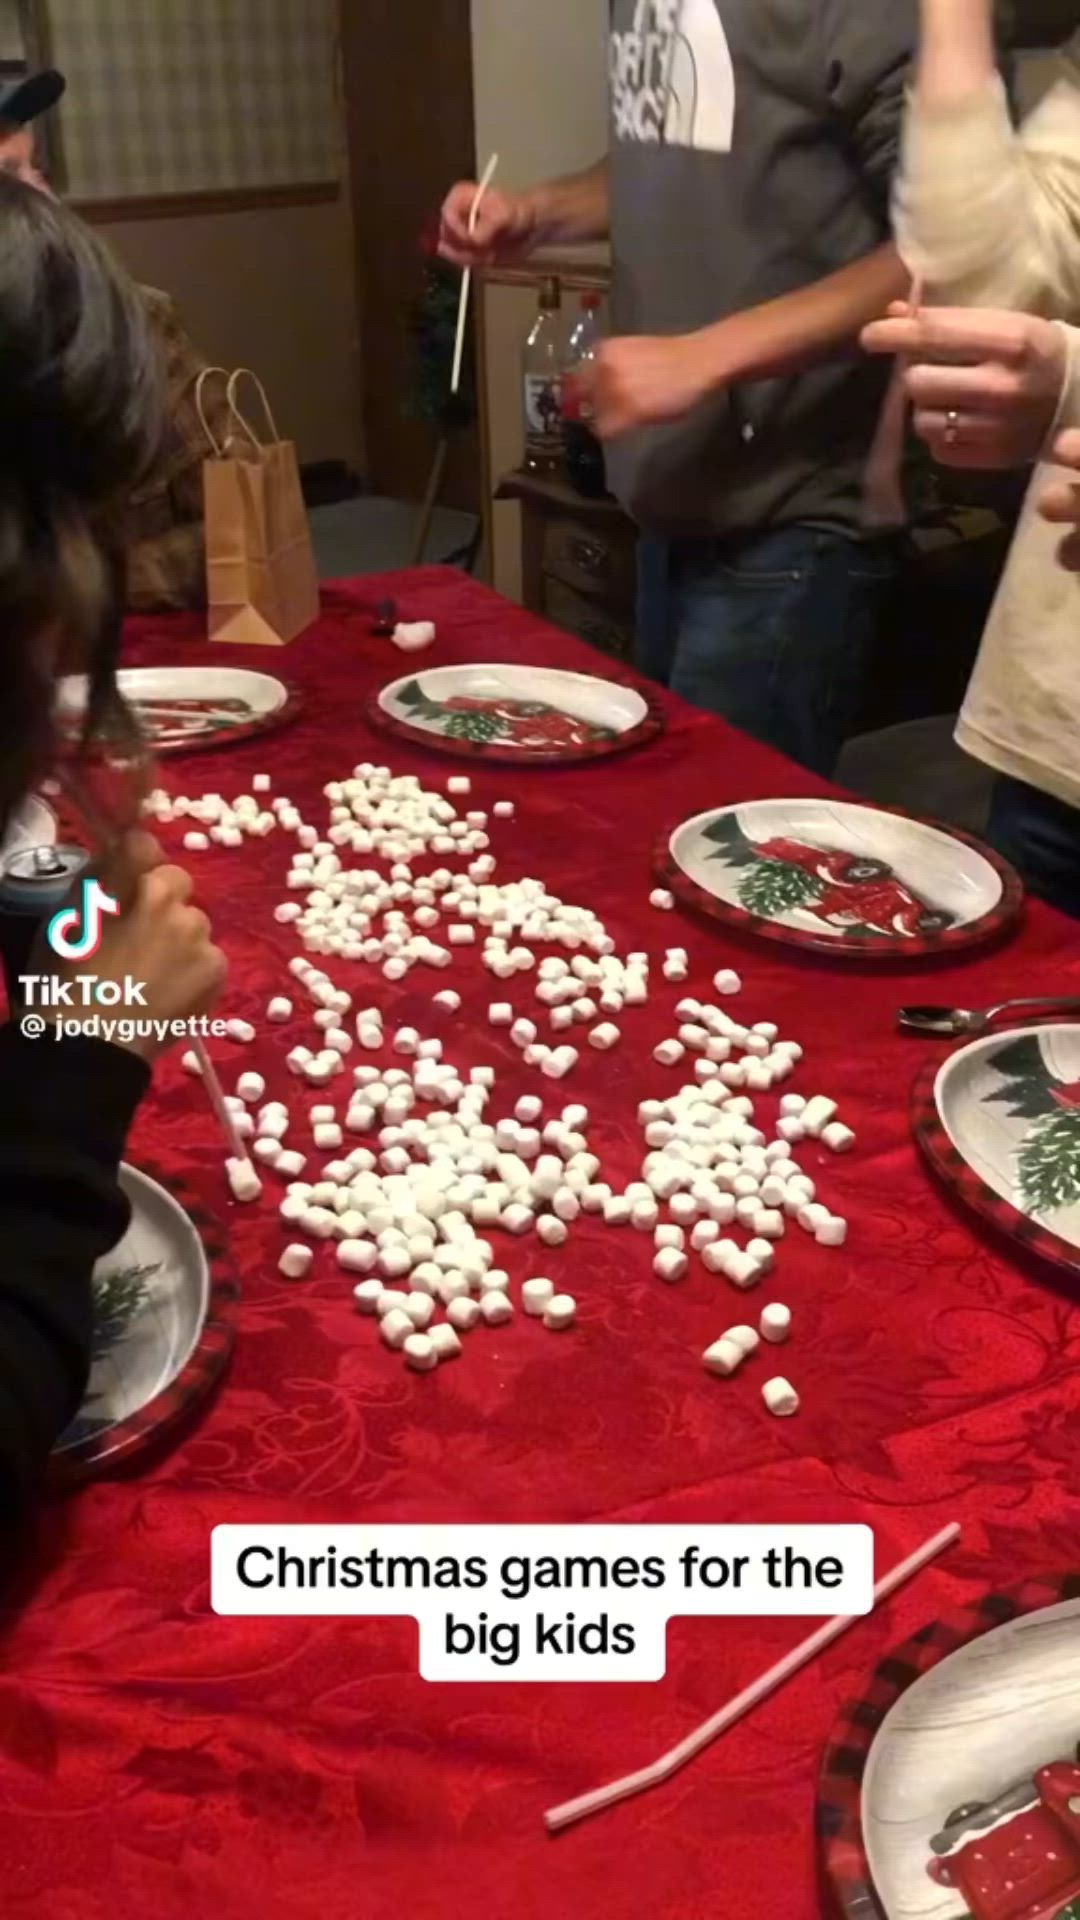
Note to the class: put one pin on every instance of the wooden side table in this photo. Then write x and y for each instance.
(579, 560)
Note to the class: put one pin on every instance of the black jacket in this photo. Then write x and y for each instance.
(65, 1111)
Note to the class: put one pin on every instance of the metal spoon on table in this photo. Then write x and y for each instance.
(949, 1022)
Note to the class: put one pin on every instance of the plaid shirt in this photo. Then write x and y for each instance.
(163, 525)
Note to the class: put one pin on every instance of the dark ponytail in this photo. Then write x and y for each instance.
(80, 417)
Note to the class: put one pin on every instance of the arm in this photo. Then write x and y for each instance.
(983, 215)
(642, 381)
(863, 61)
(64, 1116)
(510, 227)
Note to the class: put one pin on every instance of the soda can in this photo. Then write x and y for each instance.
(34, 884)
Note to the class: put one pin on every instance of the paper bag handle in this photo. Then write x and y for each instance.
(200, 384)
(245, 373)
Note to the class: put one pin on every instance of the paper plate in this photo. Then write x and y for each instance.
(860, 882)
(163, 1327)
(535, 716)
(187, 709)
(34, 825)
(1000, 1122)
(952, 1787)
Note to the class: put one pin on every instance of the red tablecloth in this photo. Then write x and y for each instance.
(158, 1761)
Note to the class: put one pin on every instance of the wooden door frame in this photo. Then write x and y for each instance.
(377, 39)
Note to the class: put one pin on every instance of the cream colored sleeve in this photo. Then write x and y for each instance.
(987, 216)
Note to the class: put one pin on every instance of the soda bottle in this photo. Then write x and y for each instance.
(543, 382)
(583, 452)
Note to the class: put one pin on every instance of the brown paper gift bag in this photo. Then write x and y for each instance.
(262, 588)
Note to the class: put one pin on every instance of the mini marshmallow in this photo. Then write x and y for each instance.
(358, 1256)
(662, 900)
(669, 1053)
(196, 843)
(240, 1030)
(496, 1309)
(328, 1136)
(560, 1313)
(268, 1150)
(727, 981)
(670, 1237)
(296, 1262)
(831, 1232)
(838, 1138)
(464, 1314)
(501, 1014)
(781, 1398)
(776, 1325)
(536, 1297)
(251, 1088)
(459, 783)
(445, 1342)
(261, 783)
(671, 1265)
(448, 1002)
(413, 636)
(817, 1115)
(723, 1358)
(745, 1338)
(279, 1011)
(244, 1182)
(603, 1038)
(504, 809)
(552, 1232)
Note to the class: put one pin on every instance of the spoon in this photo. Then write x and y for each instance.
(951, 1021)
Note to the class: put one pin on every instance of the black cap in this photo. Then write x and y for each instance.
(30, 97)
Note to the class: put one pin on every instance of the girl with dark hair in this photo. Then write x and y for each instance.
(79, 418)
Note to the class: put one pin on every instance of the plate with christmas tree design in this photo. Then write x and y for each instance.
(163, 1332)
(1000, 1122)
(866, 883)
(950, 1789)
(527, 716)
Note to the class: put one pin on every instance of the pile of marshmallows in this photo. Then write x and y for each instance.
(409, 1206)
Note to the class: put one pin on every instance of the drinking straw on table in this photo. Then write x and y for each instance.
(572, 1810)
(883, 486)
(466, 278)
(104, 836)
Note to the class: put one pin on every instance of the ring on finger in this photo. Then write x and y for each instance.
(952, 428)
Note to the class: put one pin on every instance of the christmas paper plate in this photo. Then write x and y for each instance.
(1000, 1122)
(163, 1332)
(187, 709)
(34, 825)
(951, 1789)
(535, 716)
(853, 881)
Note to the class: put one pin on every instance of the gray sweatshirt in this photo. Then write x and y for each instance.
(753, 148)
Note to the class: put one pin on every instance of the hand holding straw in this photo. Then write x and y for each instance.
(466, 280)
(103, 835)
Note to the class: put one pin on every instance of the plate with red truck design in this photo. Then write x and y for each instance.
(535, 716)
(857, 882)
(951, 1790)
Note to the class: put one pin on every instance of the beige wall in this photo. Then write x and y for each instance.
(274, 289)
(540, 79)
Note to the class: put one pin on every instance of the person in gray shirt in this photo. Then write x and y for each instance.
(746, 195)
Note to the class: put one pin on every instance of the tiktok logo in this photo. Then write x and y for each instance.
(75, 932)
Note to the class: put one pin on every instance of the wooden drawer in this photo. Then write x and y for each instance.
(602, 626)
(598, 562)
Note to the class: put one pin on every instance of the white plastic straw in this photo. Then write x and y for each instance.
(466, 279)
(669, 1763)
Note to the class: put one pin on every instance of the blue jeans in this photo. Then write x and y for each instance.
(775, 632)
(1041, 836)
